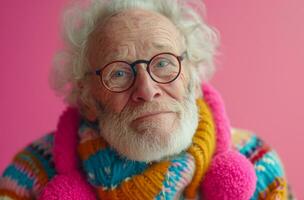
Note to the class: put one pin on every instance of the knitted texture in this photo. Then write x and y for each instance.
(230, 176)
(116, 177)
(70, 183)
(33, 168)
(29, 172)
(215, 102)
(68, 186)
(268, 167)
(13, 185)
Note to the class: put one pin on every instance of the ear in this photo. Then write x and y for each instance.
(86, 103)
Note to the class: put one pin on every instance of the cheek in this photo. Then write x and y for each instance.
(113, 101)
(116, 103)
(178, 88)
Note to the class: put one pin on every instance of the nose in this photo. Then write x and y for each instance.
(145, 89)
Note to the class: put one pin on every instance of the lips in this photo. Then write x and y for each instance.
(152, 114)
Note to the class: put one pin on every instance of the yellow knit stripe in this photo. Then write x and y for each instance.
(203, 147)
(276, 190)
(140, 187)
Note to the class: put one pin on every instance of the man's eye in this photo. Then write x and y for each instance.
(162, 63)
(118, 74)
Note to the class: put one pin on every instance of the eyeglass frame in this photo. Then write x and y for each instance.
(180, 58)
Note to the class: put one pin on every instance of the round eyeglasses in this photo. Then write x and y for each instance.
(119, 76)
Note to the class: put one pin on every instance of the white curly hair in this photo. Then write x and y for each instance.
(81, 19)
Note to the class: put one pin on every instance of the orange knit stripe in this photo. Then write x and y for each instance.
(140, 187)
(203, 147)
(12, 195)
(146, 180)
(37, 168)
(26, 166)
(146, 194)
(90, 147)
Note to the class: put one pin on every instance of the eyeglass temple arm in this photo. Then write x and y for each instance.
(182, 57)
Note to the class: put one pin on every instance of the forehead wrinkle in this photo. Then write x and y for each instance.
(140, 20)
(164, 44)
(134, 31)
(137, 18)
(129, 50)
(156, 29)
(166, 35)
(109, 48)
(162, 47)
(120, 53)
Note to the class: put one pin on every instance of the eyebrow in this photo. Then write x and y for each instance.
(113, 56)
(163, 46)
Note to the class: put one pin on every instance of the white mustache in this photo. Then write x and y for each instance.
(132, 113)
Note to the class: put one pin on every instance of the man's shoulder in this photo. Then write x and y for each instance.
(269, 169)
(30, 169)
(241, 137)
(252, 145)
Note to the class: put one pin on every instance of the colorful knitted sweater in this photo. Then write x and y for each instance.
(114, 177)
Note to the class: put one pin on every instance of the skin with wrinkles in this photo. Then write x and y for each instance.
(150, 113)
(131, 35)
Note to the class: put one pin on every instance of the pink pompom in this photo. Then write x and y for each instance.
(67, 187)
(231, 176)
(69, 183)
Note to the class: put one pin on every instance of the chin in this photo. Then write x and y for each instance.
(152, 143)
(156, 147)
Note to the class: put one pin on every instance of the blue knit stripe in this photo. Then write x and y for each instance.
(49, 170)
(250, 146)
(108, 169)
(22, 178)
(174, 175)
(267, 169)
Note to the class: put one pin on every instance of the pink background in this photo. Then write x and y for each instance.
(260, 72)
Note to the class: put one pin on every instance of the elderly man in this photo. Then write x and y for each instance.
(142, 122)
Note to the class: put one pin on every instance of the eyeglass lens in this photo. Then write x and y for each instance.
(119, 76)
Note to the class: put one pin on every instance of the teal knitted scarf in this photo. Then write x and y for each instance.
(106, 169)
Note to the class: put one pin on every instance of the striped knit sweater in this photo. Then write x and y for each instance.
(33, 167)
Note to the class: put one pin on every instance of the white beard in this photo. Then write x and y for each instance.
(152, 143)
